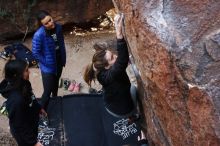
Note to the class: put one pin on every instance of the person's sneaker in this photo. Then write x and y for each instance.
(77, 88)
(60, 83)
(92, 91)
(3, 55)
(100, 91)
(66, 84)
(3, 110)
(72, 86)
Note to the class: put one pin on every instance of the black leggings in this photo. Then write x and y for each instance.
(50, 85)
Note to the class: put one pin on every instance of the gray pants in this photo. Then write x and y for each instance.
(133, 91)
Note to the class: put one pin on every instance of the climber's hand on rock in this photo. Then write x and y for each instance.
(118, 20)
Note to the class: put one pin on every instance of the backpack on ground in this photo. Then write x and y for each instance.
(20, 51)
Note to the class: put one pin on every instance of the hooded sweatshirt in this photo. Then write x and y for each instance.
(23, 112)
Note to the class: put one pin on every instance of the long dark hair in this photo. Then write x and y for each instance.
(99, 61)
(41, 15)
(13, 72)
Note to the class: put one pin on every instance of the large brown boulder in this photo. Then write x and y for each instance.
(17, 15)
(176, 46)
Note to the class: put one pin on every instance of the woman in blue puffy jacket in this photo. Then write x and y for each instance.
(49, 50)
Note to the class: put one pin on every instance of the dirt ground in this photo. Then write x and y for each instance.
(79, 53)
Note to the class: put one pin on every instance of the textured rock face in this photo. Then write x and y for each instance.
(16, 14)
(176, 46)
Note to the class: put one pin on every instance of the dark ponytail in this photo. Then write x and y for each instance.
(14, 70)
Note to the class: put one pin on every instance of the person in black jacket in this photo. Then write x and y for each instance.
(21, 104)
(110, 71)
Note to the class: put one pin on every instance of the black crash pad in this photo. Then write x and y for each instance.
(82, 120)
